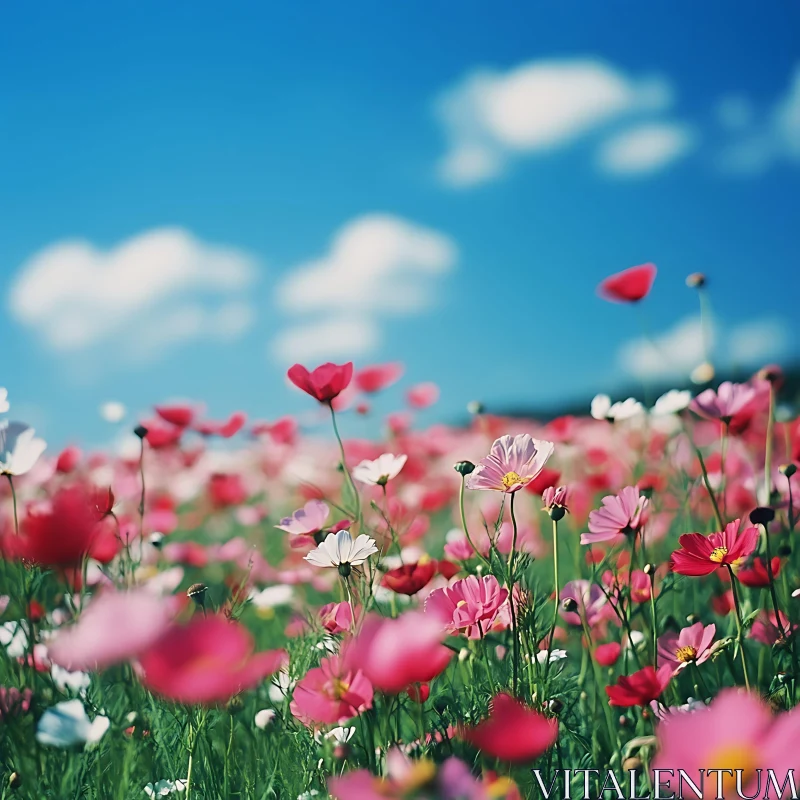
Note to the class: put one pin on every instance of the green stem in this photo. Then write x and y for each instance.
(768, 448)
(723, 459)
(13, 501)
(717, 515)
(510, 585)
(344, 465)
(655, 621)
(555, 600)
(464, 523)
(739, 628)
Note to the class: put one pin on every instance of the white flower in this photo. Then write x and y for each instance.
(626, 409)
(4, 406)
(308, 795)
(380, 471)
(672, 402)
(66, 724)
(112, 411)
(339, 549)
(280, 687)
(263, 718)
(555, 655)
(601, 404)
(66, 681)
(339, 735)
(165, 788)
(279, 595)
(14, 637)
(19, 448)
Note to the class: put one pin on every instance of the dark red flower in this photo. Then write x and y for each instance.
(755, 574)
(325, 383)
(628, 286)
(419, 692)
(512, 732)
(410, 578)
(641, 688)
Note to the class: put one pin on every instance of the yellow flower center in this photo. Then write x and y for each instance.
(686, 654)
(461, 603)
(501, 787)
(511, 479)
(718, 554)
(732, 757)
(420, 774)
(340, 688)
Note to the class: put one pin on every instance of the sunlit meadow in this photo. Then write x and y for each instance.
(435, 613)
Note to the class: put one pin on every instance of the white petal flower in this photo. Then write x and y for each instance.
(66, 724)
(339, 735)
(672, 402)
(555, 655)
(112, 411)
(380, 471)
(263, 718)
(14, 637)
(279, 595)
(339, 548)
(19, 448)
(164, 788)
(4, 406)
(626, 409)
(70, 682)
(601, 405)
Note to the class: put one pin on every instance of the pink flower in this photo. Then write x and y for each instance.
(513, 462)
(765, 628)
(394, 653)
(623, 514)
(590, 599)
(736, 732)
(553, 497)
(693, 645)
(308, 520)
(702, 555)
(336, 617)
(330, 694)
(630, 285)
(374, 379)
(14, 702)
(207, 661)
(422, 395)
(725, 403)
(115, 627)
(468, 606)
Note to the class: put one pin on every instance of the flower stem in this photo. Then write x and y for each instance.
(510, 586)
(710, 491)
(555, 600)
(464, 523)
(739, 629)
(13, 501)
(768, 447)
(350, 482)
(723, 459)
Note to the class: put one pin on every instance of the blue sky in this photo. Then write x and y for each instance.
(482, 165)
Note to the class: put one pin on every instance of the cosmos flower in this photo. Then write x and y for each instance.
(408, 579)
(378, 377)
(307, 520)
(729, 400)
(4, 405)
(165, 787)
(66, 724)
(622, 514)
(339, 550)
(603, 409)
(422, 395)
(590, 600)
(325, 383)
(513, 462)
(702, 555)
(19, 448)
(630, 285)
(693, 645)
(468, 606)
(380, 471)
(640, 688)
(512, 732)
(672, 402)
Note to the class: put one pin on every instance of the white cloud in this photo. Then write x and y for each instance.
(760, 143)
(377, 266)
(673, 355)
(162, 286)
(490, 116)
(645, 148)
(341, 337)
(377, 263)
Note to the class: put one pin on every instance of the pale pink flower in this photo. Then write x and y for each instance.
(307, 520)
(469, 606)
(622, 514)
(513, 462)
(725, 403)
(590, 599)
(693, 645)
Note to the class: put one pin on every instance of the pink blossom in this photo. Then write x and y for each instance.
(693, 645)
(307, 520)
(725, 403)
(622, 514)
(14, 702)
(468, 606)
(512, 463)
(590, 599)
(336, 617)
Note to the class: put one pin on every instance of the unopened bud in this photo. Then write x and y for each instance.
(140, 431)
(345, 569)
(650, 570)
(623, 721)
(197, 592)
(234, 705)
(762, 515)
(463, 654)
(788, 470)
(464, 468)
(696, 280)
(703, 373)
(14, 780)
(570, 605)
(156, 539)
(475, 407)
(555, 706)
(691, 618)
(557, 513)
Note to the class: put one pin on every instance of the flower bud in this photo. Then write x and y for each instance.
(197, 592)
(464, 468)
(345, 569)
(463, 654)
(762, 515)
(649, 570)
(475, 407)
(788, 470)
(140, 431)
(570, 605)
(703, 373)
(14, 780)
(692, 618)
(234, 705)
(555, 706)
(156, 539)
(696, 280)
(557, 513)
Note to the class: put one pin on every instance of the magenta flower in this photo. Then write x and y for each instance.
(590, 599)
(622, 514)
(725, 403)
(556, 498)
(767, 630)
(693, 645)
(514, 461)
(307, 520)
(330, 694)
(469, 606)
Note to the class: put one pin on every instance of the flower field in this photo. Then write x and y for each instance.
(244, 609)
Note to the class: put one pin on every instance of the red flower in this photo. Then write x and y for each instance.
(207, 661)
(227, 490)
(513, 731)
(63, 532)
(606, 655)
(544, 480)
(628, 286)
(702, 555)
(325, 383)
(419, 692)
(755, 575)
(180, 415)
(410, 578)
(68, 459)
(640, 688)
(373, 379)
(226, 429)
